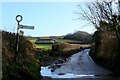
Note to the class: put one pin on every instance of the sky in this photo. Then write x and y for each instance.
(48, 18)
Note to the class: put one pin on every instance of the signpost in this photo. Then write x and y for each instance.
(19, 19)
(21, 33)
(26, 27)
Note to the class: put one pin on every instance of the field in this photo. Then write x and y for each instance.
(65, 40)
(44, 46)
(33, 40)
(49, 46)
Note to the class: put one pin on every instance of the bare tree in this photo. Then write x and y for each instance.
(103, 11)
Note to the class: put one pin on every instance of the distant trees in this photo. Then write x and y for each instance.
(80, 35)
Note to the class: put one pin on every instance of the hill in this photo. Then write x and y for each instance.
(82, 36)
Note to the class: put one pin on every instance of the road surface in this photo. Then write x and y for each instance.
(81, 63)
(78, 67)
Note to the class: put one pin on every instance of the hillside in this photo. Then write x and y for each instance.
(81, 36)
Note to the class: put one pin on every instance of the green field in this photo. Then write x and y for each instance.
(59, 40)
(33, 40)
(65, 40)
(44, 46)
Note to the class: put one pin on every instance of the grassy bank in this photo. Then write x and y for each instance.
(105, 51)
(27, 62)
(65, 49)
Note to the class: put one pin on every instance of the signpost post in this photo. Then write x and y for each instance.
(19, 19)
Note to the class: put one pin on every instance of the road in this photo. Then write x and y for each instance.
(79, 67)
(81, 63)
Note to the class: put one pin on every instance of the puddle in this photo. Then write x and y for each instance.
(45, 71)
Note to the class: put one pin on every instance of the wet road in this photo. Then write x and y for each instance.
(78, 67)
(81, 63)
